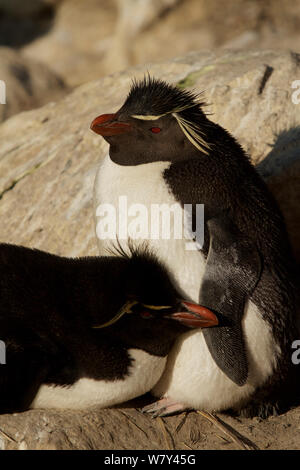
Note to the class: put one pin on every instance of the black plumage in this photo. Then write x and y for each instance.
(155, 97)
(51, 308)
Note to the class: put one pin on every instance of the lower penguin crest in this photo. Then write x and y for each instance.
(143, 374)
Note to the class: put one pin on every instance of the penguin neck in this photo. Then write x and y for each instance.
(155, 337)
(134, 155)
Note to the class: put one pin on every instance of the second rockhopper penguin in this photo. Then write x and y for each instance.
(86, 331)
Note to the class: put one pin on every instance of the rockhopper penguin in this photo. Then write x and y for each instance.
(164, 150)
(86, 331)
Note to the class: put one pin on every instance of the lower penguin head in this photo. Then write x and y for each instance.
(151, 313)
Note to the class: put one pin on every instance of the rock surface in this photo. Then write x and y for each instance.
(127, 428)
(28, 83)
(96, 37)
(48, 160)
(76, 44)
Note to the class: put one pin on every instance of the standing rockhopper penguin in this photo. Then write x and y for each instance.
(164, 150)
(86, 331)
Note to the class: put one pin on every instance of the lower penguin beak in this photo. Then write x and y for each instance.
(195, 316)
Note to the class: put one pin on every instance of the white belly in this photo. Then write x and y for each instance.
(142, 184)
(143, 375)
(191, 375)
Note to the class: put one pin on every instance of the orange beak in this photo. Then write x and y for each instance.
(107, 125)
(195, 316)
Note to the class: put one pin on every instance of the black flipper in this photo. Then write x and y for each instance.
(232, 271)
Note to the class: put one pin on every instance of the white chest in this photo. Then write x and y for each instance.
(139, 195)
(86, 392)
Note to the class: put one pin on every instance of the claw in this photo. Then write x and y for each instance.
(163, 407)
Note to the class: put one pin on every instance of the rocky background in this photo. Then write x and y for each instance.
(82, 40)
(244, 55)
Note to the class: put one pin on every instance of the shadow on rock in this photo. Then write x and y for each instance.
(16, 30)
(281, 171)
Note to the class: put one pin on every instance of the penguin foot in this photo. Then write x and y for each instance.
(164, 407)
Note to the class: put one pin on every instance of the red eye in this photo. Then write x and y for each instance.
(155, 130)
(146, 315)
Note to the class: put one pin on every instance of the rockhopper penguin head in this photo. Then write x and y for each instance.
(149, 304)
(157, 122)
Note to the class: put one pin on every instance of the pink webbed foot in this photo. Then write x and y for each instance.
(164, 407)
